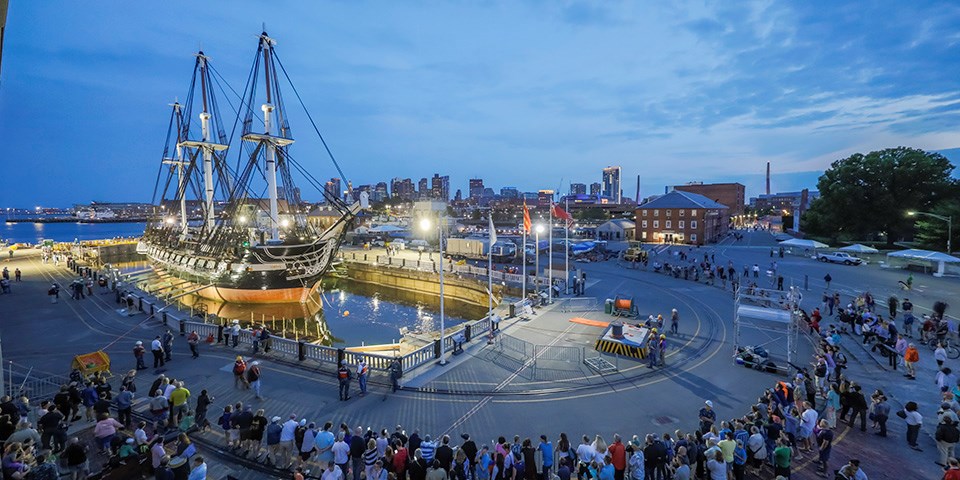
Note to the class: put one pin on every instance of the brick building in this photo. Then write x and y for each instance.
(733, 195)
(682, 217)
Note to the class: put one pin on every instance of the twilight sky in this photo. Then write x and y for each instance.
(533, 93)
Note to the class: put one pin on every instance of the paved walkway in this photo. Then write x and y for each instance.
(487, 391)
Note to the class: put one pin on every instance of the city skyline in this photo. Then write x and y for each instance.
(679, 93)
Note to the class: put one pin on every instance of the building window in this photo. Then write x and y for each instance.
(668, 224)
(656, 213)
(693, 224)
(693, 213)
(682, 212)
(669, 212)
(643, 224)
(644, 213)
(680, 223)
(656, 224)
(643, 235)
(693, 237)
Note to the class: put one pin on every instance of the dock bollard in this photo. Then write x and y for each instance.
(183, 327)
(301, 350)
(163, 318)
(151, 309)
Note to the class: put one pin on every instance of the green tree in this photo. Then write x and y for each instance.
(932, 232)
(869, 195)
(591, 214)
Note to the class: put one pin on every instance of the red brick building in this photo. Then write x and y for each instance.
(682, 217)
(733, 195)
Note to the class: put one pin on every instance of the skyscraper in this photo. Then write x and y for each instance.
(509, 192)
(611, 184)
(440, 187)
(595, 189)
(423, 189)
(333, 188)
(380, 192)
(476, 188)
(578, 189)
(402, 189)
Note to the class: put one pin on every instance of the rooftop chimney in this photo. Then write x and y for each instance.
(768, 178)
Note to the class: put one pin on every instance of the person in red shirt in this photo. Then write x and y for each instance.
(618, 455)
(953, 471)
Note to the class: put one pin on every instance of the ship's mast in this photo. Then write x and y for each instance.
(182, 179)
(271, 146)
(207, 150)
(206, 144)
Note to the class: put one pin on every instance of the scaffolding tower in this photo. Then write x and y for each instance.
(772, 313)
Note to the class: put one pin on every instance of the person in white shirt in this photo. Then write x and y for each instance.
(286, 440)
(586, 453)
(341, 453)
(808, 420)
(333, 472)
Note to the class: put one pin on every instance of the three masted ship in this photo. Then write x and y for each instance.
(239, 232)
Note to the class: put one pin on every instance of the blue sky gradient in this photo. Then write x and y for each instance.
(533, 94)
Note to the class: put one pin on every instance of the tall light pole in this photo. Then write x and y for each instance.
(948, 219)
(536, 263)
(426, 225)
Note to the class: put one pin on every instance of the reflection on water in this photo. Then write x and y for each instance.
(341, 313)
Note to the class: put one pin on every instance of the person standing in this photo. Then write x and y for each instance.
(674, 322)
(16, 275)
(825, 444)
(616, 450)
(395, 373)
(239, 368)
(253, 377)
(193, 340)
(858, 404)
(362, 372)
(168, 345)
(707, 417)
(203, 405)
(124, 406)
(138, 353)
(910, 358)
(156, 347)
(781, 458)
(343, 378)
(914, 420)
(881, 412)
(947, 436)
(199, 471)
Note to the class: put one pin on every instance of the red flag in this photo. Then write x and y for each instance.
(562, 214)
(526, 218)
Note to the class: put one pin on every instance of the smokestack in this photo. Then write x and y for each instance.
(768, 178)
(638, 189)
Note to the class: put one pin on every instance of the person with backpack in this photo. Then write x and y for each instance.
(253, 378)
(343, 378)
(239, 368)
(947, 436)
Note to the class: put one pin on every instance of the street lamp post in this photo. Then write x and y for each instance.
(425, 225)
(536, 263)
(948, 219)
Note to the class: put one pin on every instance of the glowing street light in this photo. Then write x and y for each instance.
(948, 219)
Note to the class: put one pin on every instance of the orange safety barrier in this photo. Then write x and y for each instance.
(587, 321)
(89, 363)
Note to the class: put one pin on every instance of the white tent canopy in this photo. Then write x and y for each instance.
(928, 255)
(857, 248)
(938, 259)
(387, 229)
(803, 243)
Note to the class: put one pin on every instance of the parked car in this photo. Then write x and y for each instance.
(839, 257)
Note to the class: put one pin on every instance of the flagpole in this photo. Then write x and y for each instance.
(566, 258)
(550, 257)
